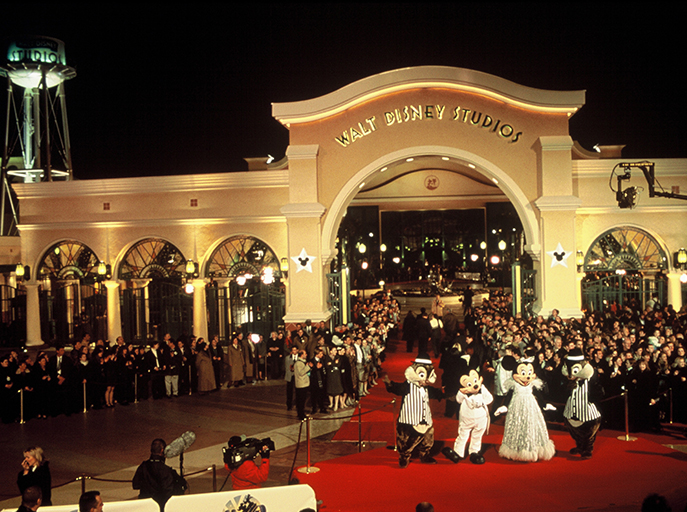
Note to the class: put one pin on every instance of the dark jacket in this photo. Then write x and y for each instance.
(155, 479)
(39, 477)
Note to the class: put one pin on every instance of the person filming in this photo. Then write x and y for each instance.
(248, 461)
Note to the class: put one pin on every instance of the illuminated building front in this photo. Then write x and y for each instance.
(425, 138)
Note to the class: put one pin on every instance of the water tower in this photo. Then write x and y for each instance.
(36, 145)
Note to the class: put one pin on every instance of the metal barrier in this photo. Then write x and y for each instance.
(311, 469)
(83, 478)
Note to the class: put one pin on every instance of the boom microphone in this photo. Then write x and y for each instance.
(180, 444)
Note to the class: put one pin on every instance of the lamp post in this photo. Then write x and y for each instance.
(191, 273)
(22, 272)
(681, 258)
(579, 260)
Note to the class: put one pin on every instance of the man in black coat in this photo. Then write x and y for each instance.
(155, 479)
(424, 332)
(60, 368)
(155, 364)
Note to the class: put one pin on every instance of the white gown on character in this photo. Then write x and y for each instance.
(525, 436)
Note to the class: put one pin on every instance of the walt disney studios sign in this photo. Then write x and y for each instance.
(415, 113)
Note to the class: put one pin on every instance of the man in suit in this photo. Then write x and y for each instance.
(172, 360)
(424, 332)
(289, 365)
(155, 364)
(60, 367)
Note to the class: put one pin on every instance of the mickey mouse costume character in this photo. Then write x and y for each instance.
(581, 415)
(525, 435)
(473, 417)
(414, 427)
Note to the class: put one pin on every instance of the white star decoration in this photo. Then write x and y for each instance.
(559, 256)
(303, 261)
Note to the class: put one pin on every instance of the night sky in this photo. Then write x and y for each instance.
(164, 89)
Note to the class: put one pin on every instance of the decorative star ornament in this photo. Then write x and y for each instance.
(559, 256)
(303, 261)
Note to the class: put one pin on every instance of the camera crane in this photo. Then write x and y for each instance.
(628, 198)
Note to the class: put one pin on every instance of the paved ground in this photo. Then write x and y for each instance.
(111, 443)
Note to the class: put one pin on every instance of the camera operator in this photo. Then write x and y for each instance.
(248, 461)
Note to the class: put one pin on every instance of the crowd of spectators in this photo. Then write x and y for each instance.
(635, 349)
(340, 366)
(100, 374)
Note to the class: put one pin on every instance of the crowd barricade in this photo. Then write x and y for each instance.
(289, 498)
(147, 505)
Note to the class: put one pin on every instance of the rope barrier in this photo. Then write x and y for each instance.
(295, 455)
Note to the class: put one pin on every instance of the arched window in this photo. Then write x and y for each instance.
(625, 248)
(72, 304)
(240, 255)
(152, 258)
(68, 260)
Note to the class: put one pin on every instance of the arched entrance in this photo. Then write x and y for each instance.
(442, 157)
(453, 217)
(624, 266)
(153, 300)
(245, 290)
(73, 301)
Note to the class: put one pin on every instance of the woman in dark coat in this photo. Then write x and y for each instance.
(643, 391)
(216, 353)
(43, 387)
(346, 377)
(111, 371)
(206, 373)
(334, 387)
(35, 471)
(614, 382)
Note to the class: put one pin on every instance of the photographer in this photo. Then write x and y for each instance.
(248, 461)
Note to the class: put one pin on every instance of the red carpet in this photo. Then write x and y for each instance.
(619, 476)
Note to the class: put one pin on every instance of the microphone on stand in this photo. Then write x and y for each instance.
(178, 446)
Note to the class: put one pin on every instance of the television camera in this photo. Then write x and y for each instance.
(240, 449)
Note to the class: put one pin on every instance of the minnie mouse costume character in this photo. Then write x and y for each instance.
(581, 415)
(474, 400)
(414, 427)
(525, 435)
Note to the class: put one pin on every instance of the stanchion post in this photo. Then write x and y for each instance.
(135, 388)
(393, 422)
(308, 468)
(360, 427)
(670, 391)
(85, 406)
(21, 406)
(627, 437)
(190, 383)
(307, 437)
(214, 478)
(83, 484)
